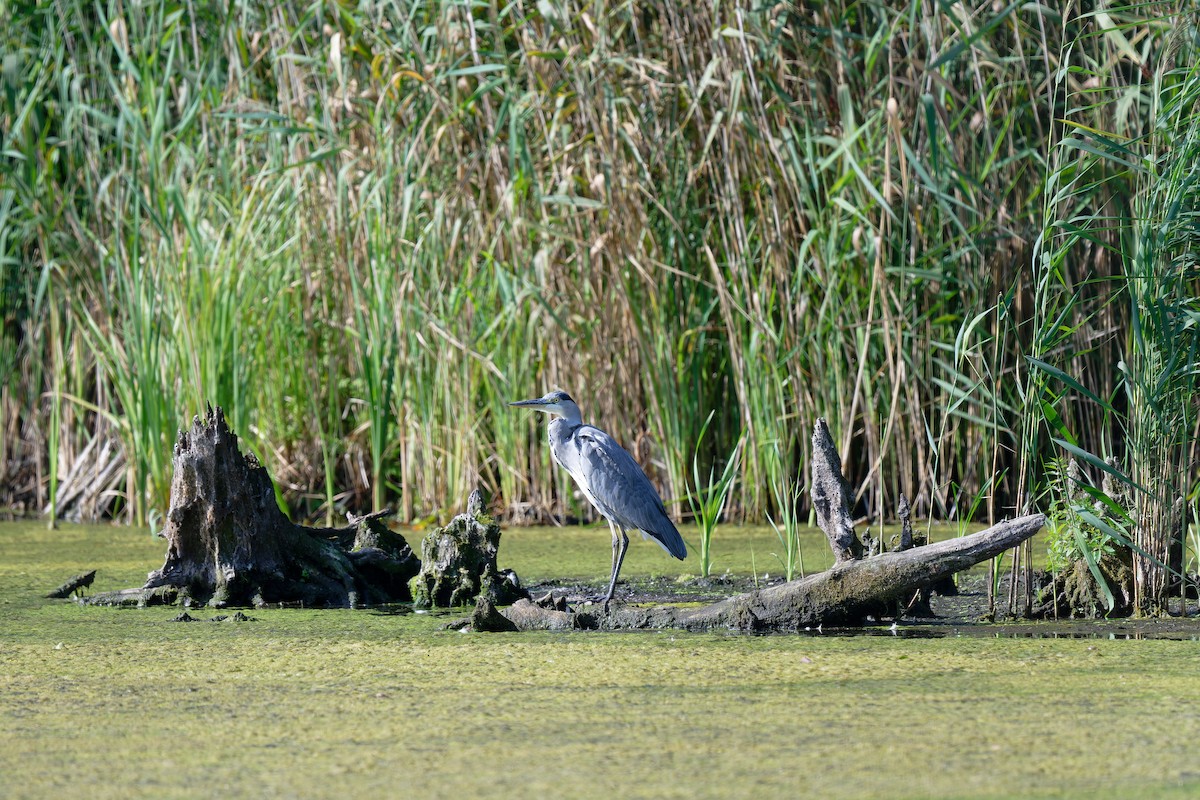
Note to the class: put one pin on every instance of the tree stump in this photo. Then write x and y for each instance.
(458, 563)
(228, 544)
(831, 497)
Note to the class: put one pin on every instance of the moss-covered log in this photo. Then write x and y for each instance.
(842, 595)
(74, 586)
(228, 544)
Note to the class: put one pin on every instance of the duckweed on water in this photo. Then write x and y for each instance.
(359, 703)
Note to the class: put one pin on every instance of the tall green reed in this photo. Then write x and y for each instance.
(707, 498)
(787, 489)
(1121, 189)
(365, 229)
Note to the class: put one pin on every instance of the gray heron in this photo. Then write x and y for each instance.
(609, 478)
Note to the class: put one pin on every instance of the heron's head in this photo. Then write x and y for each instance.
(558, 404)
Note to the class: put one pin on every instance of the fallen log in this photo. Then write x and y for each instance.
(845, 594)
(75, 585)
(228, 543)
(852, 590)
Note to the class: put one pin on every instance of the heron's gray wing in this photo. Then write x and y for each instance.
(619, 488)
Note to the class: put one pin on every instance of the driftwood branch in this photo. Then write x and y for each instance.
(75, 585)
(831, 496)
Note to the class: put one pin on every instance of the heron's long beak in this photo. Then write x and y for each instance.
(536, 402)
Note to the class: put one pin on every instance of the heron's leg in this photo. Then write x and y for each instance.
(612, 567)
(620, 545)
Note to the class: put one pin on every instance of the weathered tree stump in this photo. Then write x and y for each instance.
(1075, 593)
(830, 497)
(458, 563)
(918, 605)
(228, 544)
(904, 512)
(853, 589)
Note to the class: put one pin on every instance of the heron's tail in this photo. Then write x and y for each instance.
(668, 539)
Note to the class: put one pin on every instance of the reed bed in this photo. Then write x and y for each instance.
(362, 229)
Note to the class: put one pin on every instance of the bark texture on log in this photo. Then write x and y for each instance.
(831, 496)
(847, 592)
(228, 544)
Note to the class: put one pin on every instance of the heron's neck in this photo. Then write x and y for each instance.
(561, 427)
(570, 414)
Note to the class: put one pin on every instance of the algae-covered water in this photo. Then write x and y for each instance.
(123, 703)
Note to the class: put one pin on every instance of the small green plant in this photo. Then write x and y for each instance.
(707, 499)
(787, 492)
(1071, 539)
(1076, 531)
(974, 503)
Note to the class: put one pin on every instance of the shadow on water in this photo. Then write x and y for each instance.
(1167, 630)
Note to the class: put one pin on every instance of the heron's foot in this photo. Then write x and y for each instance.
(601, 600)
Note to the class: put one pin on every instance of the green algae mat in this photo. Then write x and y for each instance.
(103, 702)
